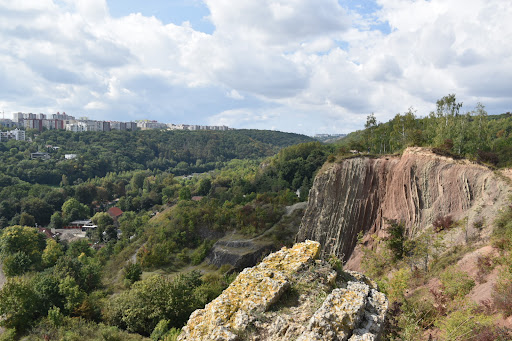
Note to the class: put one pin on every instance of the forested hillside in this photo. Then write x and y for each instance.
(474, 134)
(98, 153)
(64, 289)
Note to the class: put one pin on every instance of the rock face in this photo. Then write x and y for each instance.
(291, 295)
(238, 253)
(359, 195)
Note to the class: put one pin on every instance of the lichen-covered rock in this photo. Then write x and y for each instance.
(290, 295)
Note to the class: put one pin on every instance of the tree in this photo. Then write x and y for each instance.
(56, 221)
(72, 210)
(27, 219)
(52, 253)
(396, 239)
(3, 222)
(72, 293)
(153, 299)
(38, 209)
(16, 264)
(22, 239)
(102, 219)
(447, 110)
(18, 303)
(185, 193)
(204, 186)
(371, 123)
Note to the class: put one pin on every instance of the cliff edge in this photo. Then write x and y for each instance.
(359, 195)
(291, 295)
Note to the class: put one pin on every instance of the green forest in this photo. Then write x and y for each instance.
(141, 275)
(178, 193)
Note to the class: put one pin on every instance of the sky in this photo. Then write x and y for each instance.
(304, 66)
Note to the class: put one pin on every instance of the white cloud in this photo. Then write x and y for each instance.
(234, 94)
(297, 65)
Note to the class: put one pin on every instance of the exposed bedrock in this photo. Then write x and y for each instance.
(291, 295)
(361, 194)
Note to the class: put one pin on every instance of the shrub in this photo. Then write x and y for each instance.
(396, 287)
(8, 335)
(396, 239)
(442, 223)
(487, 157)
(493, 334)
(200, 253)
(484, 265)
(456, 284)
(502, 295)
(336, 263)
(132, 272)
(463, 325)
(479, 223)
(160, 330)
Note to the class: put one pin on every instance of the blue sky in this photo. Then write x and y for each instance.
(305, 66)
(170, 11)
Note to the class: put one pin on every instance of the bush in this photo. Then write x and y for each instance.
(488, 157)
(484, 265)
(493, 334)
(443, 223)
(336, 263)
(502, 295)
(8, 335)
(396, 239)
(132, 272)
(160, 330)
(396, 287)
(200, 253)
(463, 325)
(456, 284)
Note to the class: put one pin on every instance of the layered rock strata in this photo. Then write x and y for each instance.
(360, 195)
(292, 295)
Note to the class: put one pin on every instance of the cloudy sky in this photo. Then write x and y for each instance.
(306, 66)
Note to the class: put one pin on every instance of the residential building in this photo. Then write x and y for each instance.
(7, 123)
(147, 124)
(40, 155)
(77, 126)
(15, 134)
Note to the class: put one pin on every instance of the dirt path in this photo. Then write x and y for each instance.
(2, 281)
(2, 276)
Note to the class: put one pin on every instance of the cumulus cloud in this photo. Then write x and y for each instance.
(296, 65)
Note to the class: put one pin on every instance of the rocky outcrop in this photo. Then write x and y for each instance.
(359, 195)
(291, 295)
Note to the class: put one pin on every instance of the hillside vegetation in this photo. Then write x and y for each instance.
(100, 153)
(67, 289)
(141, 275)
(474, 135)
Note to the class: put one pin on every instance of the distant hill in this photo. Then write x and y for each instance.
(97, 153)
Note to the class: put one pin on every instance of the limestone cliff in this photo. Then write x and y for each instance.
(291, 295)
(360, 194)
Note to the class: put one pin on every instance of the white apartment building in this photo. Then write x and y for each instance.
(15, 134)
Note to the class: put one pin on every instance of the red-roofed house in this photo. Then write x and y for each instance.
(115, 212)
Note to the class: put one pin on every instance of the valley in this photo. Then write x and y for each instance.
(426, 220)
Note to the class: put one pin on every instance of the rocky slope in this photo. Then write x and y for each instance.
(359, 195)
(291, 295)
